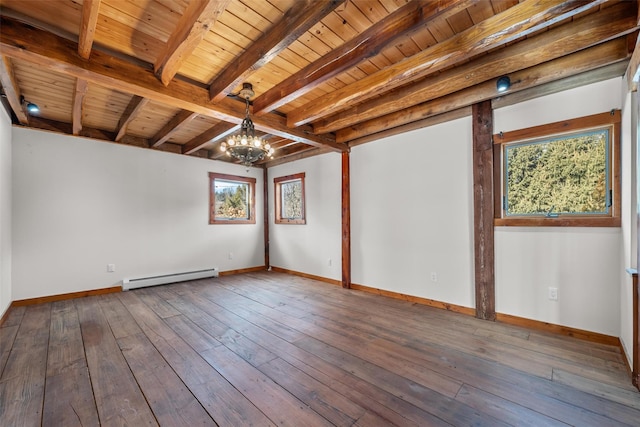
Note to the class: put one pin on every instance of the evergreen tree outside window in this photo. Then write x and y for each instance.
(564, 173)
(231, 199)
(290, 199)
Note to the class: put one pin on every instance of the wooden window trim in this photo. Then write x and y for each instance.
(610, 119)
(212, 198)
(276, 183)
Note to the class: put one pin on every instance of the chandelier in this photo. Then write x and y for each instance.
(246, 146)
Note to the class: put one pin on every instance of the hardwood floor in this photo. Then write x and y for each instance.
(274, 349)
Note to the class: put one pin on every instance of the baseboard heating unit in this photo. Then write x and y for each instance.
(142, 282)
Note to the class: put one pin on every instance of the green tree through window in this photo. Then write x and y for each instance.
(289, 197)
(231, 199)
(566, 175)
(559, 174)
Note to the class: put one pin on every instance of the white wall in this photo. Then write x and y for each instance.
(307, 248)
(5, 211)
(81, 204)
(583, 263)
(412, 213)
(629, 215)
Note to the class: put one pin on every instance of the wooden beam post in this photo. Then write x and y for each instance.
(346, 221)
(635, 292)
(482, 115)
(265, 179)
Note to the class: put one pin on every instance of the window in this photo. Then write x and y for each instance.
(564, 173)
(289, 195)
(231, 199)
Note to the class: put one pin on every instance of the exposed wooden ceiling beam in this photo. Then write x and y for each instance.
(547, 46)
(199, 17)
(79, 93)
(90, 9)
(306, 153)
(172, 126)
(633, 72)
(518, 21)
(613, 52)
(41, 48)
(365, 45)
(303, 15)
(213, 134)
(588, 77)
(12, 90)
(134, 108)
(410, 126)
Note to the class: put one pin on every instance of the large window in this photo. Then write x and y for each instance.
(564, 173)
(289, 195)
(231, 199)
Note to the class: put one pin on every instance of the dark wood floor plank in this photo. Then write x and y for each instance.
(335, 407)
(295, 347)
(224, 403)
(375, 399)
(435, 403)
(118, 397)
(68, 398)
(170, 400)
(14, 316)
(22, 382)
(280, 406)
(197, 338)
(566, 358)
(232, 339)
(151, 297)
(621, 395)
(121, 322)
(7, 336)
(66, 349)
(504, 409)
(485, 373)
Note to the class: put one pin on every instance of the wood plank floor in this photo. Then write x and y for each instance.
(274, 349)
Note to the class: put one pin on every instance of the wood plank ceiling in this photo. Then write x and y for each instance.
(328, 75)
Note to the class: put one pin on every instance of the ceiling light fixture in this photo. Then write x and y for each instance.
(503, 84)
(246, 146)
(30, 106)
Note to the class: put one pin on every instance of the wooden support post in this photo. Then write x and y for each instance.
(635, 369)
(346, 221)
(265, 178)
(482, 115)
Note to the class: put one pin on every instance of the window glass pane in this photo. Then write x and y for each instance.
(291, 193)
(232, 200)
(564, 175)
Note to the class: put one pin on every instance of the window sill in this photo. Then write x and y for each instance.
(558, 222)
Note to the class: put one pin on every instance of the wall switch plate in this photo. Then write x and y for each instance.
(434, 276)
(111, 268)
(553, 294)
(329, 262)
(230, 255)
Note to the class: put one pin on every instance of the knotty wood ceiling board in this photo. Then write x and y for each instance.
(52, 92)
(196, 127)
(151, 119)
(151, 66)
(103, 107)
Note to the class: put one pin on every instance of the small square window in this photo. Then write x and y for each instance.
(290, 201)
(560, 174)
(231, 199)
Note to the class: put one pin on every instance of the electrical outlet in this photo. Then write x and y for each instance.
(434, 276)
(553, 294)
(329, 262)
(111, 268)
